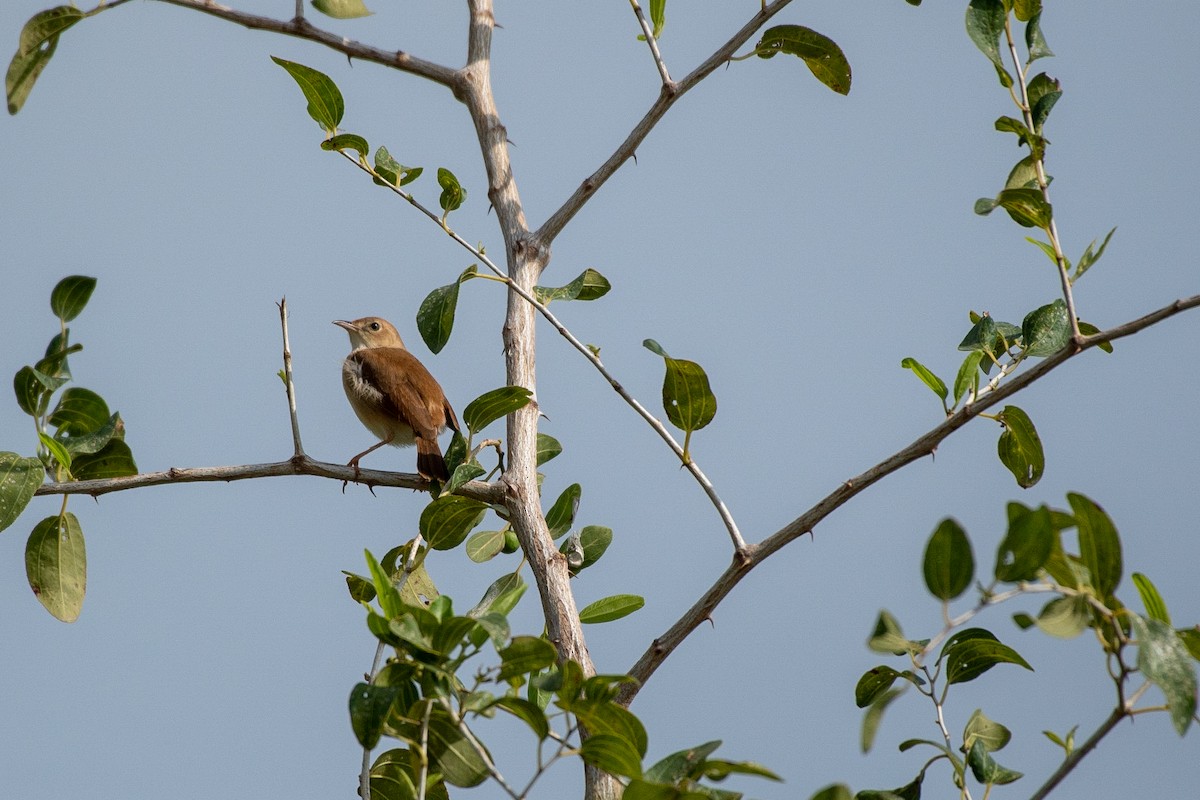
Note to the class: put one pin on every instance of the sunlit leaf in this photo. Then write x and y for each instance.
(949, 565)
(342, 9)
(325, 104)
(821, 54)
(491, 406)
(611, 608)
(19, 479)
(56, 565)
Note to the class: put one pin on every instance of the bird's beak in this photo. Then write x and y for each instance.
(348, 326)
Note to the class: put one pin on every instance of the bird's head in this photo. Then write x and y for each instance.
(370, 332)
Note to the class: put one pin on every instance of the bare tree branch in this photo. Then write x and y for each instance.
(755, 554)
(302, 29)
(671, 92)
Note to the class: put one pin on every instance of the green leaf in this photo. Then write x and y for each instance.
(1156, 607)
(682, 765)
(984, 337)
(19, 479)
(484, 545)
(390, 172)
(887, 637)
(1099, 544)
(56, 565)
(1065, 617)
(369, 708)
(985, 206)
(876, 681)
(453, 194)
(967, 659)
(658, 16)
(985, 25)
(453, 754)
(967, 379)
(595, 540)
(547, 448)
(491, 406)
(949, 565)
(114, 460)
(605, 716)
(873, 717)
(1027, 207)
(54, 363)
(1089, 257)
(1044, 92)
(719, 769)
(525, 655)
(1023, 175)
(361, 590)
(1046, 330)
(348, 141)
(840, 791)
(821, 54)
(435, 317)
(985, 769)
(462, 474)
(37, 43)
(79, 411)
(927, 377)
(501, 597)
(1191, 640)
(33, 389)
(1024, 10)
(1035, 41)
(611, 754)
(527, 712)
(1020, 448)
(342, 9)
(561, 515)
(325, 104)
(58, 452)
(611, 608)
(1026, 546)
(70, 295)
(385, 589)
(590, 285)
(991, 734)
(687, 398)
(446, 521)
(1088, 329)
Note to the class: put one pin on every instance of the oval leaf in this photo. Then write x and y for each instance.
(824, 58)
(56, 565)
(114, 460)
(369, 708)
(446, 521)
(1020, 448)
(1099, 544)
(342, 9)
(611, 608)
(967, 659)
(561, 515)
(1156, 608)
(611, 754)
(79, 411)
(928, 378)
(484, 545)
(949, 565)
(1026, 546)
(489, 407)
(526, 654)
(453, 194)
(70, 296)
(19, 479)
(38, 41)
(547, 448)
(435, 317)
(348, 141)
(1046, 330)
(325, 104)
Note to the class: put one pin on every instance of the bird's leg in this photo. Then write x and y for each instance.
(354, 461)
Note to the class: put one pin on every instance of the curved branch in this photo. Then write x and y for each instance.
(297, 465)
(302, 29)
(755, 554)
(671, 91)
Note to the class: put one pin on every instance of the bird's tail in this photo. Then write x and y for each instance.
(429, 460)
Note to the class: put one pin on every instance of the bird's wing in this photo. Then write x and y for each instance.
(399, 375)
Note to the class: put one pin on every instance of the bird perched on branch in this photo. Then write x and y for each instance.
(394, 395)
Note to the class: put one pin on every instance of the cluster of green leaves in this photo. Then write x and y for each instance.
(424, 697)
(78, 440)
(326, 107)
(1031, 559)
(35, 48)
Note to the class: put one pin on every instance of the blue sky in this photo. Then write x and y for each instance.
(796, 243)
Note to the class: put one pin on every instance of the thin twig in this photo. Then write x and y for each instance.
(300, 465)
(925, 445)
(670, 93)
(287, 379)
(1070, 762)
(302, 29)
(648, 32)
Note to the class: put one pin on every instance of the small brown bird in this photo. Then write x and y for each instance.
(394, 395)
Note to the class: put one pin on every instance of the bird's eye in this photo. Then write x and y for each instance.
(374, 326)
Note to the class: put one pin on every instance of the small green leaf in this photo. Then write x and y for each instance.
(390, 172)
(985, 769)
(1026, 546)
(873, 717)
(1023, 175)
(1035, 40)
(527, 712)
(1165, 661)
(718, 770)
(453, 194)
(369, 709)
(37, 43)
(491, 406)
(462, 474)
(1099, 544)
(611, 608)
(949, 565)
(611, 754)
(361, 590)
(1020, 448)
(526, 654)
(389, 598)
(325, 104)
(985, 206)
(887, 637)
(985, 25)
(484, 545)
(875, 681)
(33, 389)
(967, 379)
(1046, 330)
(56, 565)
(1156, 607)
(682, 764)
(687, 398)
(435, 317)
(1089, 257)
(501, 597)
(70, 296)
(114, 460)
(79, 411)
(821, 54)
(840, 791)
(452, 753)
(1065, 617)
(342, 9)
(547, 448)
(1044, 92)
(1027, 207)
(590, 285)
(967, 659)
(1088, 329)
(990, 733)
(19, 479)
(927, 377)
(348, 141)
(59, 453)
(595, 540)
(561, 515)
(658, 16)
(983, 336)
(446, 521)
